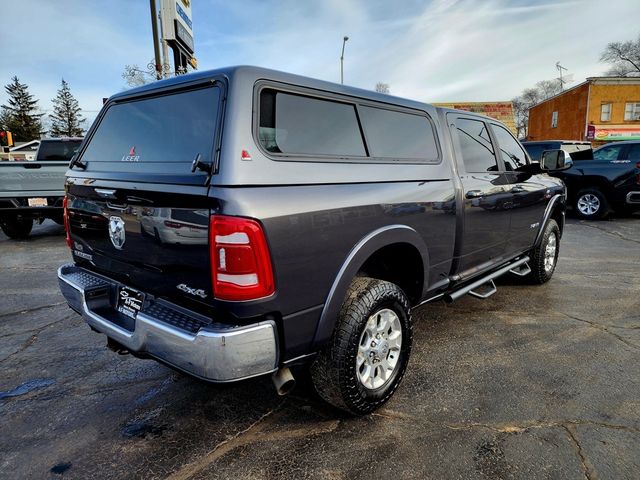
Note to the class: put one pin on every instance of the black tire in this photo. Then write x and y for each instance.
(16, 228)
(539, 273)
(334, 373)
(585, 202)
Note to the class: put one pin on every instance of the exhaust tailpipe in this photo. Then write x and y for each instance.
(283, 381)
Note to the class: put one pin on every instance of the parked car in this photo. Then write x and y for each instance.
(601, 181)
(331, 213)
(33, 191)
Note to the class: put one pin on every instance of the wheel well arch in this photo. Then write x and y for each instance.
(590, 182)
(373, 256)
(398, 263)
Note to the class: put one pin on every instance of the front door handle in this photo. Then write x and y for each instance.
(474, 193)
(518, 189)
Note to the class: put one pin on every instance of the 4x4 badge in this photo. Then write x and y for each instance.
(116, 232)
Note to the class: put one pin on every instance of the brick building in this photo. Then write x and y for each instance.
(502, 111)
(601, 109)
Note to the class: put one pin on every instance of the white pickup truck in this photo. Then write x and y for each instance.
(34, 190)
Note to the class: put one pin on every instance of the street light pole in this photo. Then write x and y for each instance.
(344, 40)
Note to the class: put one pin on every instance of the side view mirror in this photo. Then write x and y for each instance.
(555, 160)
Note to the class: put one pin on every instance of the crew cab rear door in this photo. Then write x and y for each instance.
(485, 224)
(529, 193)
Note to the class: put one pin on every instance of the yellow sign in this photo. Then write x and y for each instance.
(193, 62)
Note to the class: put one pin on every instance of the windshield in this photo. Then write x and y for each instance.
(168, 131)
(57, 150)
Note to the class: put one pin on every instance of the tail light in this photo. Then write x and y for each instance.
(66, 220)
(240, 261)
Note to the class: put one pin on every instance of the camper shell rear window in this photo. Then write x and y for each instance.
(162, 132)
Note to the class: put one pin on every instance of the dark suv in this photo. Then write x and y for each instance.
(329, 214)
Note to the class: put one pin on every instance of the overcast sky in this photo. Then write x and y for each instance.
(435, 51)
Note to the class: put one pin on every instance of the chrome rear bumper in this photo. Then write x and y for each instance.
(172, 334)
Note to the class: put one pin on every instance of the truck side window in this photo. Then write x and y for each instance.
(477, 150)
(296, 124)
(634, 152)
(392, 134)
(608, 153)
(511, 152)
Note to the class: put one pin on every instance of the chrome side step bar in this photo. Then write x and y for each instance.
(490, 289)
(487, 281)
(521, 271)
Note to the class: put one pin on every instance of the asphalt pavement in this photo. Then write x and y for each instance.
(535, 382)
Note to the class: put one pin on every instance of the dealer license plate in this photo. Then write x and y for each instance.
(130, 301)
(37, 202)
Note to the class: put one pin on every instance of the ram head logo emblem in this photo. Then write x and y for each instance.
(116, 232)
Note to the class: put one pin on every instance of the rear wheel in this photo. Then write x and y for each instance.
(545, 256)
(17, 228)
(591, 204)
(362, 366)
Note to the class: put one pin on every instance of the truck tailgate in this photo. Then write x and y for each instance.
(32, 179)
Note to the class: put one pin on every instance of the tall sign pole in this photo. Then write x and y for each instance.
(177, 32)
(156, 46)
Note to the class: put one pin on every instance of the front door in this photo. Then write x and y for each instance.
(530, 193)
(486, 203)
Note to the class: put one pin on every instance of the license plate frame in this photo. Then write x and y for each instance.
(38, 202)
(129, 301)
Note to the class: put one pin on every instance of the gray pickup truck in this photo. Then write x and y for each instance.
(32, 191)
(242, 222)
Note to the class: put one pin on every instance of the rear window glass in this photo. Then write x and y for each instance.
(295, 124)
(166, 129)
(58, 150)
(535, 150)
(393, 134)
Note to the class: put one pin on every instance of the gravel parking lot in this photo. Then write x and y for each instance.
(535, 382)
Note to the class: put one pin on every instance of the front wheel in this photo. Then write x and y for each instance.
(545, 255)
(591, 204)
(17, 228)
(363, 364)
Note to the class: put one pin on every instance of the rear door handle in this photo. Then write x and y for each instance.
(518, 189)
(474, 194)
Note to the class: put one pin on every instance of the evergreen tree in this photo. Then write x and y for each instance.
(20, 114)
(66, 120)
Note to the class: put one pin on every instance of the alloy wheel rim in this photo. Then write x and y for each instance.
(588, 204)
(550, 252)
(379, 349)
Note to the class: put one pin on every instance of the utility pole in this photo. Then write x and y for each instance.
(344, 40)
(156, 46)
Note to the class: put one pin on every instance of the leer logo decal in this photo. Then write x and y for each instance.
(116, 232)
(132, 157)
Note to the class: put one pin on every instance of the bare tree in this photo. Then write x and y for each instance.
(624, 58)
(528, 98)
(382, 87)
